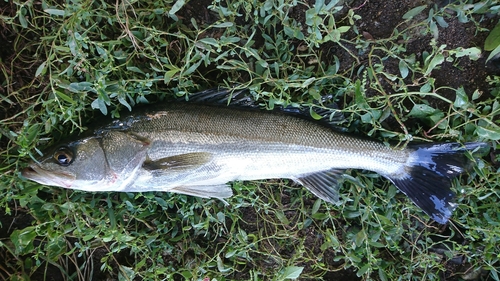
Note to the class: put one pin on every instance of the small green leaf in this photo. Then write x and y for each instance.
(210, 41)
(413, 12)
(176, 7)
(421, 111)
(64, 96)
(440, 20)
(473, 53)
(224, 24)
(126, 273)
(41, 69)
(403, 69)
(435, 61)
(491, 133)
(493, 53)
(316, 206)
(461, 99)
(22, 18)
(343, 29)
(493, 39)
(292, 272)
(135, 69)
(308, 82)
(314, 115)
(55, 12)
(363, 270)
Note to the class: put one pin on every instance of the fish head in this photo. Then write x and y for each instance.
(79, 164)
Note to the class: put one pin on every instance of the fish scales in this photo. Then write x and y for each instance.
(279, 139)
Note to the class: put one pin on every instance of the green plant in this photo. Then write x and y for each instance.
(86, 59)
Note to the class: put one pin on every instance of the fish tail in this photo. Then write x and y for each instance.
(427, 176)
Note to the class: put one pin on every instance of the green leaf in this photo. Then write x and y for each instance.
(210, 41)
(491, 133)
(126, 273)
(23, 239)
(135, 69)
(63, 96)
(413, 12)
(55, 12)
(493, 53)
(493, 39)
(292, 272)
(176, 7)
(403, 69)
(363, 270)
(473, 53)
(308, 82)
(421, 111)
(461, 99)
(435, 61)
(224, 24)
(343, 29)
(440, 20)
(41, 69)
(22, 17)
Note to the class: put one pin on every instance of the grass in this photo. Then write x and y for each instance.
(83, 59)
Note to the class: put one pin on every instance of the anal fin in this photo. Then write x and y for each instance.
(323, 184)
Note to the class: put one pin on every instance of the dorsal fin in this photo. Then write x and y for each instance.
(228, 97)
(329, 114)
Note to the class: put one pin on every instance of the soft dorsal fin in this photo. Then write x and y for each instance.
(323, 184)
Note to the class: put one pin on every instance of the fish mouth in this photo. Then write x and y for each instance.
(45, 177)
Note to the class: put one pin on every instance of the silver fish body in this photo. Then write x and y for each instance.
(196, 149)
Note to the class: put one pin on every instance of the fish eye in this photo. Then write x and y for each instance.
(63, 156)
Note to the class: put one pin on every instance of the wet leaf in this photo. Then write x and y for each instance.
(55, 12)
(493, 53)
(491, 133)
(176, 7)
(461, 99)
(41, 69)
(413, 12)
(493, 39)
(292, 272)
(435, 61)
(224, 24)
(421, 111)
(403, 69)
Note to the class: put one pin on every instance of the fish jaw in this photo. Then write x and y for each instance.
(52, 178)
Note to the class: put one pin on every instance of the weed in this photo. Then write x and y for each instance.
(85, 59)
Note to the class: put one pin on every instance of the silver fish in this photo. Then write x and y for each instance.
(196, 149)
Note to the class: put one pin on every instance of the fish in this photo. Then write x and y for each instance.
(198, 147)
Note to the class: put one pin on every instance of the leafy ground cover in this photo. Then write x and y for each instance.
(400, 71)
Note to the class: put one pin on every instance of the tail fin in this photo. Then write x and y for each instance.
(428, 174)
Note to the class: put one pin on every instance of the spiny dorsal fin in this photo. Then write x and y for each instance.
(328, 114)
(228, 97)
(323, 184)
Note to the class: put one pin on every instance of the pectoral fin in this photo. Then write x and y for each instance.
(206, 191)
(322, 184)
(181, 162)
